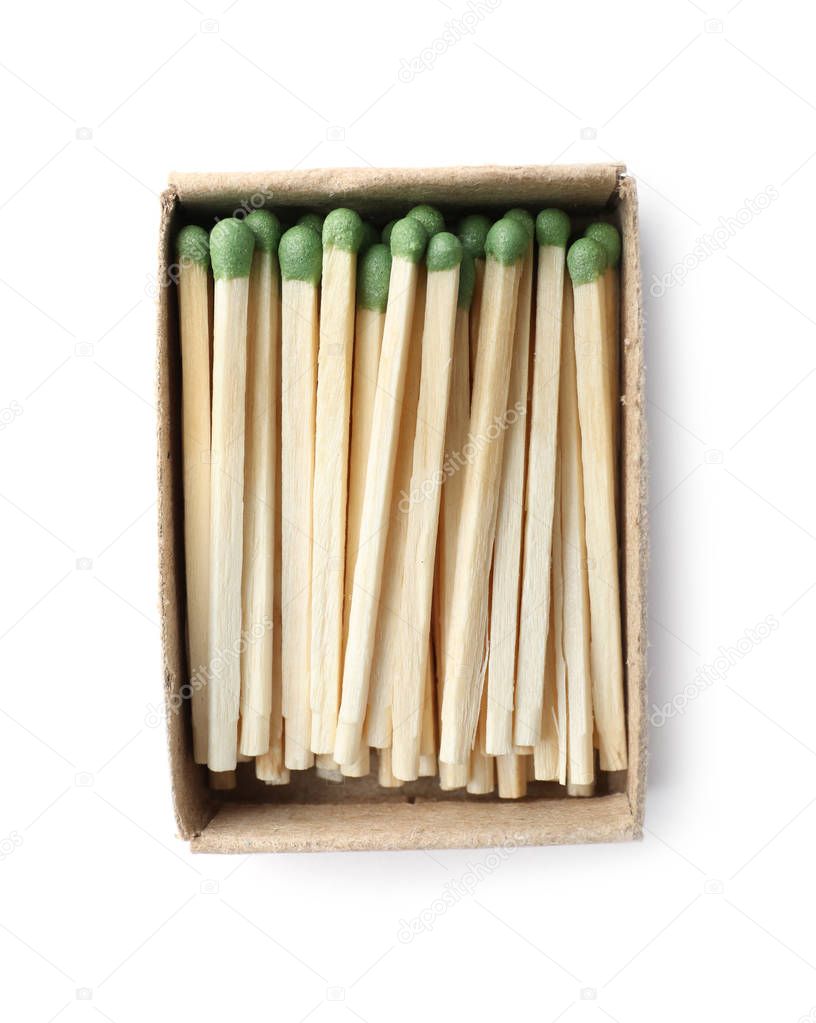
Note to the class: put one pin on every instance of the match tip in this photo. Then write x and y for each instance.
(467, 281)
(506, 242)
(553, 228)
(444, 252)
(473, 232)
(231, 247)
(371, 236)
(608, 237)
(586, 261)
(386, 232)
(524, 218)
(430, 218)
(267, 230)
(409, 240)
(313, 221)
(373, 276)
(301, 254)
(193, 246)
(343, 229)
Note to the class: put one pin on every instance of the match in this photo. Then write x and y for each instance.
(575, 627)
(408, 242)
(443, 259)
(552, 232)
(472, 233)
(193, 255)
(586, 261)
(260, 439)
(608, 237)
(373, 276)
(231, 248)
(506, 578)
(463, 670)
(301, 257)
(342, 235)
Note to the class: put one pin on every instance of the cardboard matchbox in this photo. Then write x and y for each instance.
(312, 814)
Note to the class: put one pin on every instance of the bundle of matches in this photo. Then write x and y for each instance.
(400, 486)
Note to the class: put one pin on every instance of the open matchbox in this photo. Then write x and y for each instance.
(311, 814)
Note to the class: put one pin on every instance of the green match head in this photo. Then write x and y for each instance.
(472, 233)
(313, 221)
(467, 280)
(231, 247)
(586, 261)
(193, 246)
(444, 252)
(608, 237)
(506, 242)
(343, 229)
(553, 228)
(267, 230)
(386, 232)
(525, 219)
(408, 240)
(300, 254)
(371, 236)
(430, 218)
(373, 276)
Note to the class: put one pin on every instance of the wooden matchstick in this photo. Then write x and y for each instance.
(506, 577)
(608, 237)
(372, 296)
(231, 246)
(361, 767)
(369, 236)
(552, 232)
(342, 234)
(456, 431)
(385, 666)
(430, 218)
(575, 635)
(550, 752)
(327, 769)
(481, 767)
(472, 233)
(193, 257)
(408, 241)
(511, 774)
(386, 233)
(313, 221)
(453, 776)
(300, 255)
(259, 567)
(385, 776)
(427, 739)
(586, 261)
(464, 647)
(442, 290)
(270, 767)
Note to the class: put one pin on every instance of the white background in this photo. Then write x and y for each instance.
(103, 912)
